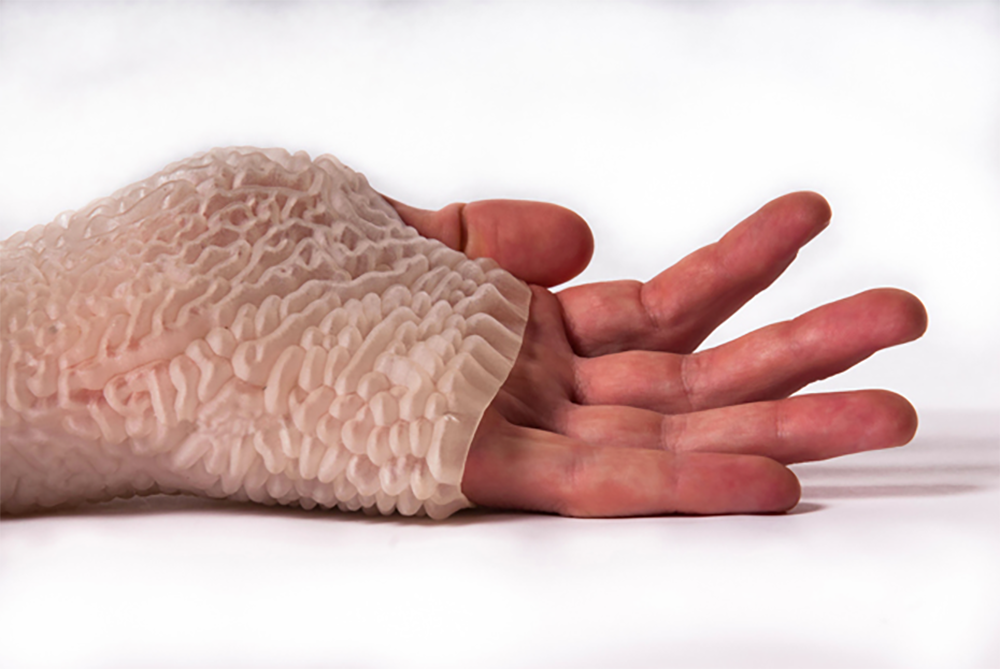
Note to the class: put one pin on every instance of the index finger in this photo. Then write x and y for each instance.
(537, 242)
(682, 305)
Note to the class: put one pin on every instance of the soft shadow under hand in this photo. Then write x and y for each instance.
(927, 468)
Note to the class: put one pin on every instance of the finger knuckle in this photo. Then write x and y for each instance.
(574, 497)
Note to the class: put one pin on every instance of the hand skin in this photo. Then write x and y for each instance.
(608, 410)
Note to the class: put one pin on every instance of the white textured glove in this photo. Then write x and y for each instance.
(247, 324)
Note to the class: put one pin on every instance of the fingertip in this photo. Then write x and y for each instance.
(569, 225)
(915, 314)
(572, 244)
(896, 422)
(757, 250)
(713, 483)
(905, 316)
(814, 205)
(539, 242)
(792, 492)
(780, 489)
(906, 420)
(806, 210)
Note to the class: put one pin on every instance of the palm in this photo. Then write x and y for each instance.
(608, 412)
(540, 391)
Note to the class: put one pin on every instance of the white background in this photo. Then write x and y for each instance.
(662, 124)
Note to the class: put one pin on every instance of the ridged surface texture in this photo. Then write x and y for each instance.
(253, 325)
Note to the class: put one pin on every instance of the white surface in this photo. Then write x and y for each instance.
(890, 561)
(663, 124)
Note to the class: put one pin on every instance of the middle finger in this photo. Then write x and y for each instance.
(766, 364)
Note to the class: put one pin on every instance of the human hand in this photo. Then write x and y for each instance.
(610, 412)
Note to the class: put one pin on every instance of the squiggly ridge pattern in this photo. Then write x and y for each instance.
(253, 325)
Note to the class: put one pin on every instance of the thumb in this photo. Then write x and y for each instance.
(537, 242)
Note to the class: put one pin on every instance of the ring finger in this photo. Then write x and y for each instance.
(797, 429)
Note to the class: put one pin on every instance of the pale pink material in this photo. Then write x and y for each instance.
(253, 325)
